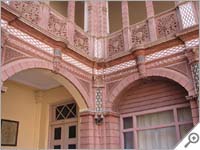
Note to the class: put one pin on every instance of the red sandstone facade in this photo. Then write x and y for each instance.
(161, 52)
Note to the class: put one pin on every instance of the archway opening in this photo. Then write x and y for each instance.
(154, 114)
(39, 100)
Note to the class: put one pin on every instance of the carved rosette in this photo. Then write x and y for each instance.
(57, 27)
(81, 42)
(115, 44)
(167, 25)
(140, 34)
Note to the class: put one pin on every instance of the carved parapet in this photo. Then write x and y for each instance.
(28, 9)
(139, 34)
(115, 44)
(166, 24)
(57, 26)
(81, 42)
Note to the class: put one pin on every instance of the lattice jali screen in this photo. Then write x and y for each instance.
(195, 70)
(25, 37)
(192, 43)
(187, 15)
(76, 63)
(99, 97)
(164, 53)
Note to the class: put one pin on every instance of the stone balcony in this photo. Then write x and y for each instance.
(173, 27)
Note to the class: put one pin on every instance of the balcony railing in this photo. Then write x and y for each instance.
(46, 19)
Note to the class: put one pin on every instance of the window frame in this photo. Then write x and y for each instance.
(135, 129)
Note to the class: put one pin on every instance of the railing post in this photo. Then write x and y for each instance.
(151, 20)
(44, 11)
(71, 23)
(125, 23)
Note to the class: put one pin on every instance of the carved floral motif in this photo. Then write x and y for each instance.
(115, 44)
(167, 25)
(140, 34)
(81, 42)
(29, 9)
(57, 27)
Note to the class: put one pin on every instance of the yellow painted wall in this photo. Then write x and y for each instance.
(21, 104)
(18, 103)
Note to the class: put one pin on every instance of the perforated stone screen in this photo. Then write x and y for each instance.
(187, 15)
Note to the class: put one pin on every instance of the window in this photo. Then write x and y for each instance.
(156, 130)
(66, 111)
(72, 131)
(57, 133)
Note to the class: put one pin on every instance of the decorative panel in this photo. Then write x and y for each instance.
(11, 55)
(195, 70)
(81, 42)
(140, 34)
(115, 44)
(57, 26)
(187, 15)
(166, 24)
(99, 97)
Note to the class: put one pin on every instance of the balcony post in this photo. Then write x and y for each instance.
(125, 24)
(71, 17)
(151, 20)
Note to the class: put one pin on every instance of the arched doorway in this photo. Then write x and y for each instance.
(40, 102)
(154, 114)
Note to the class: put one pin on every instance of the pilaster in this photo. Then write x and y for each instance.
(71, 24)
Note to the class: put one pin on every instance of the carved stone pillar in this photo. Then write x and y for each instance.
(194, 108)
(151, 20)
(193, 58)
(71, 17)
(97, 27)
(125, 24)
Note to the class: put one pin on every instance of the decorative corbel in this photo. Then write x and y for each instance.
(140, 60)
(192, 54)
(57, 60)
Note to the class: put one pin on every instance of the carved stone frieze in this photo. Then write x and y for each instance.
(140, 34)
(167, 25)
(81, 42)
(115, 44)
(57, 26)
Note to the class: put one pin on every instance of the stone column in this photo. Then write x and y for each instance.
(125, 24)
(87, 130)
(194, 108)
(71, 23)
(151, 20)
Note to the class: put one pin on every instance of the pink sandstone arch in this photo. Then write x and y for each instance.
(14, 67)
(179, 78)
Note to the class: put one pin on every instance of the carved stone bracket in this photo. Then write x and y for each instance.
(140, 60)
(192, 54)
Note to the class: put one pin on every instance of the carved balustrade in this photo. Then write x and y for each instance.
(139, 34)
(44, 18)
(115, 43)
(166, 24)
